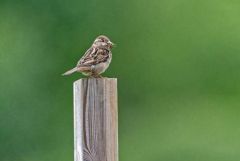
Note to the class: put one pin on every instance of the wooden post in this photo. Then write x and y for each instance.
(95, 120)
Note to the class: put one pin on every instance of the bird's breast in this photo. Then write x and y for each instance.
(101, 67)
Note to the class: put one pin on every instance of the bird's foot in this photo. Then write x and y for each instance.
(99, 76)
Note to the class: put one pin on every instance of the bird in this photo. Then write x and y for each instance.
(96, 59)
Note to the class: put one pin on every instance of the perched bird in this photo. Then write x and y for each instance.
(96, 59)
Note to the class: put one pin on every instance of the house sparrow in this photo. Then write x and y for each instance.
(96, 59)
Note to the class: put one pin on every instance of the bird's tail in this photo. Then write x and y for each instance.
(70, 71)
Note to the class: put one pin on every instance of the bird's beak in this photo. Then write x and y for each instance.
(111, 43)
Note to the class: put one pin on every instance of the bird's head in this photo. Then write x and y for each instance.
(103, 42)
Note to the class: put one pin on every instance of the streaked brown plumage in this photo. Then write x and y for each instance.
(96, 59)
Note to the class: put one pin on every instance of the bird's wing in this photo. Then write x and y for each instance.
(86, 57)
(101, 56)
(93, 56)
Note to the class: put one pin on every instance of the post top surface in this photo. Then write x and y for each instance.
(95, 79)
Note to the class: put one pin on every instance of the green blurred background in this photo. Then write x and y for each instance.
(177, 64)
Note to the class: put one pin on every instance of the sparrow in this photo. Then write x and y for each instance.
(96, 59)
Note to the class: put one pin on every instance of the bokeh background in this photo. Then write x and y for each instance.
(177, 64)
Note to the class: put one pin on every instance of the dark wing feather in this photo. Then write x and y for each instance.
(93, 56)
(86, 57)
(102, 56)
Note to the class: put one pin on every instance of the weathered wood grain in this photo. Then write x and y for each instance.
(95, 120)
